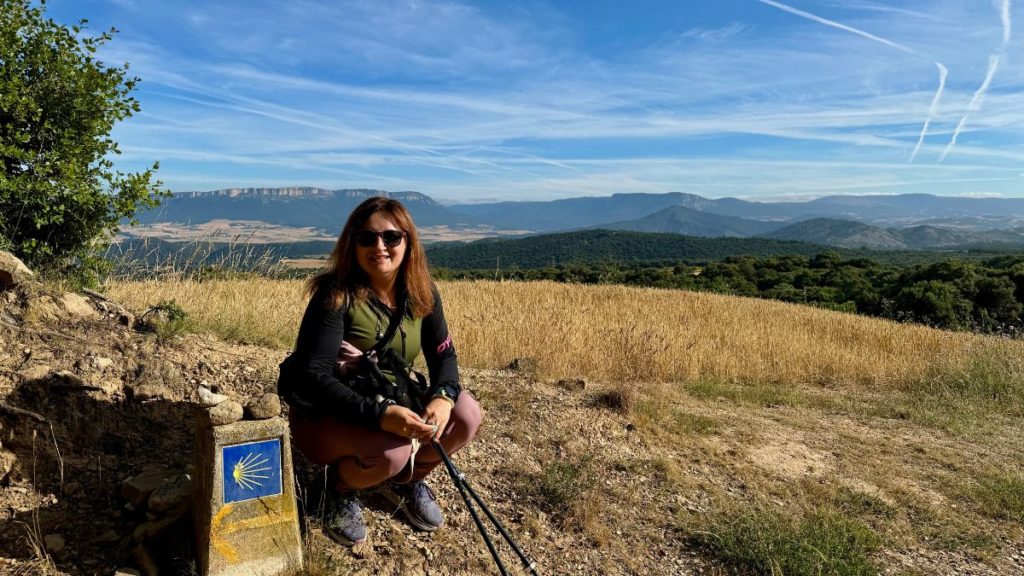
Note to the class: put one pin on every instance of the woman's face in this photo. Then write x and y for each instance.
(380, 262)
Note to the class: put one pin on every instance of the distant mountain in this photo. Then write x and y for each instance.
(692, 222)
(937, 237)
(850, 234)
(594, 246)
(671, 212)
(574, 213)
(841, 233)
(300, 207)
(901, 209)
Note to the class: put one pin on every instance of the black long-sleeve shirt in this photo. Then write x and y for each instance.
(309, 372)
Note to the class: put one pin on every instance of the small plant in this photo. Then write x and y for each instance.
(767, 541)
(622, 397)
(167, 319)
(1001, 497)
(562, 484)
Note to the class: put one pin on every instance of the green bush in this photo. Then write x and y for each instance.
(60, 196)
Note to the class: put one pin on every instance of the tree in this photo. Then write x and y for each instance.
(60, 197)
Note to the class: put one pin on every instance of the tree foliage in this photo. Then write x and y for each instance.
(60, 196)
(964, 295)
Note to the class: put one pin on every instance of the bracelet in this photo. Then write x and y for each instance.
(443, 397)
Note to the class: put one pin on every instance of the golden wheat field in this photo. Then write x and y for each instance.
(619, 332)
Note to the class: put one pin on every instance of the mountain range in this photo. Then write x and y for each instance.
(894, 222)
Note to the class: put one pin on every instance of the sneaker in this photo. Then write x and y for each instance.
(418, 502)
(343, 518)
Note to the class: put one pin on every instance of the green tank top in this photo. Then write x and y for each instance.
(365, 323)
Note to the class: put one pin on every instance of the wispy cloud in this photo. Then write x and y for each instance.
(932, 110)
(1004, 15)
(834, 24)
(975, 104)
(943, 71)
(993, 65)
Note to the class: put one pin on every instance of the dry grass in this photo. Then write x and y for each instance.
(619, 333)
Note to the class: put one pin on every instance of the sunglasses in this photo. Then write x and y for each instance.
(368, 238)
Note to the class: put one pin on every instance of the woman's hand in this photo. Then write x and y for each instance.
(439, 412)
(405, 423)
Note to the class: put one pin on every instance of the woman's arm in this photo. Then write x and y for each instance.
(438, 350)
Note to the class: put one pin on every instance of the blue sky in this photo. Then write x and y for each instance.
(491, 100)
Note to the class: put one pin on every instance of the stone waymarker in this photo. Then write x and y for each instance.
(246, 519)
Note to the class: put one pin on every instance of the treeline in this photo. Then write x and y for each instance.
(983, 296)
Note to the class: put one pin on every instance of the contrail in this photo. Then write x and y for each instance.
(835, 24)
(932, 110)
(1005, 14)
(993, 65)
(942, 69)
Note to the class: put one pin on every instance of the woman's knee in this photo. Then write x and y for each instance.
(374, 468)
(466, 416)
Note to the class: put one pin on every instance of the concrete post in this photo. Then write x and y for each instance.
(245, 513)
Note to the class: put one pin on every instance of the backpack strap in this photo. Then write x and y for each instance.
(394, 322)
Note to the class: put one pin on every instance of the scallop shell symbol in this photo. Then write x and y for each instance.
(248, 471)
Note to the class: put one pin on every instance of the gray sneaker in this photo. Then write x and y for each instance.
(418, 502)
(343, 518)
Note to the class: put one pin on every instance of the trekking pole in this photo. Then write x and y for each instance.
(460, 482)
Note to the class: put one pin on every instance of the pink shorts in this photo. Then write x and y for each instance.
(363, 458)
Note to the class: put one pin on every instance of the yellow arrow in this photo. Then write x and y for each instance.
(218, 532)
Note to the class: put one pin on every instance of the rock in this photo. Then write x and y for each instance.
(170, 494)
(126, 318)
(225, 413)
(208, 398)
(108, 537)
(266, 406)
(111, 387)
(151, 391)
(137, 489)
(573, 384)
(8, 461)
(43, 309)
(127, 572)
(68, 379)
(526, 365)
(101, 363)
(171, 376)
(54, 543)
(12, 271)
(156, 382)
(37, 372)
(77, 306)
(153, 528)
(145, 561)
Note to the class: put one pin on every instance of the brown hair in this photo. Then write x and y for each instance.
(348, 282)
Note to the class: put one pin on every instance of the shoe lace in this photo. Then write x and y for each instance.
(421, 490)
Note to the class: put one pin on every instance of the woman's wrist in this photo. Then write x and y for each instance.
(445, 398)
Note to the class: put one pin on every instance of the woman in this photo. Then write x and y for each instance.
(376, 268)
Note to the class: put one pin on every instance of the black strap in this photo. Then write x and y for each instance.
(394, 322)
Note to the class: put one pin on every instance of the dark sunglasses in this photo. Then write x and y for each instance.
(368, 238)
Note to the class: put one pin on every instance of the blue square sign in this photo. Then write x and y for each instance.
(252, 470)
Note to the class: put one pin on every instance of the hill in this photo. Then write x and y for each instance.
(594, 246)
(841, 233)
(692, 222)
(857, 235)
